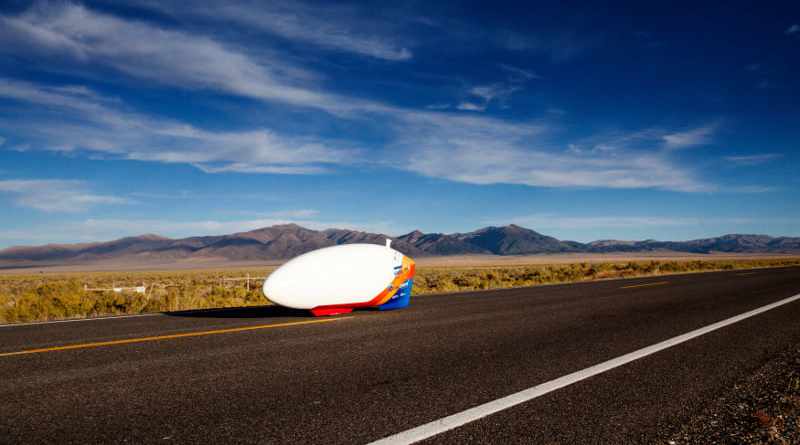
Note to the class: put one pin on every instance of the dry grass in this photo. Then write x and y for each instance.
(444, 279)
(49, 296)
(57, 296)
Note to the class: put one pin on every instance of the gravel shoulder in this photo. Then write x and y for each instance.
(762, 409)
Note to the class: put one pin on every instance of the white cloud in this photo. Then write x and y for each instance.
(480, 162)
(145, 51)
(618, 141)
(690, 138)
(561, 46)
(77, 98)
(479, 97)
(480, 150)
(339, 27)
(753, 159)
(794, 29)
(2, 141)
(520, 73)
(483, 95)
(470, 106)
(491, 92)
(88, 121)
(460, 148)
(183, 195)
(318, 25)
(240, 167)
(55, 195)
(473, 149)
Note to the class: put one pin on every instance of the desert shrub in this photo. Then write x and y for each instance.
(442, 279)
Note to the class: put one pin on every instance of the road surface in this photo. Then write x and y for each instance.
(268, 375)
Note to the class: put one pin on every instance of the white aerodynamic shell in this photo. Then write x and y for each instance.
(339, 275)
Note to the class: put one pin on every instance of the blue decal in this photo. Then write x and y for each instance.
(400, 299)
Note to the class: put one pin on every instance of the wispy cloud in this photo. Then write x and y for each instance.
(241, 167)
(183, 195)
(473, 149)
(482, 96)
(475, 163)
(471, 106)
(88, 121)
(520, 73)
(561, 46)
(145, 51)
(690, 138)
(479, 97)
(794, 29)
(55, 195)
(610, 142)
(753, 159)
(487, 151)
(334, 28)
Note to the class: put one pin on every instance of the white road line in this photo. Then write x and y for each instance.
(456, 420)
(74, 320)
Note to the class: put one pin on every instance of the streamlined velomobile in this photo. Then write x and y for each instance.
(338, 279)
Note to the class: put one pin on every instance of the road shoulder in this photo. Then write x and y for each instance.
(763, 408)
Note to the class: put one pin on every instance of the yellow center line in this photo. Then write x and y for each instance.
(746, 273)
(167, 337)
(658, 283)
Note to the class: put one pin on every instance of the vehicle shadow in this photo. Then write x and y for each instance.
(242, 312)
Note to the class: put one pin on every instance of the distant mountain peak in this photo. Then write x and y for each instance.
(278, 227)
(286, 226)
(412, 236)
(151, 237)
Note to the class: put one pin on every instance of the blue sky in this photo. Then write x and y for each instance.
(581, 122)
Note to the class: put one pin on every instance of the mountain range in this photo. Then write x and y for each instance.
(281, 242)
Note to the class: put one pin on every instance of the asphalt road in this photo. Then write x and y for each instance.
(198, 378)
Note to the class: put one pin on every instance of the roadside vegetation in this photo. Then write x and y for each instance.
(47, 296)
(52, 296)
(435, 280)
